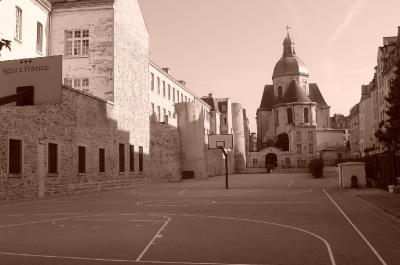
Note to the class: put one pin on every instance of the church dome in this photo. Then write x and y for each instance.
(289, 64)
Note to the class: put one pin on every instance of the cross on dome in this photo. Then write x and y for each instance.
(287, 29)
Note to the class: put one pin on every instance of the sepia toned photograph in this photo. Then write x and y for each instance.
(199, 132)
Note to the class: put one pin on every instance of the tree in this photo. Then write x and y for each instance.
(388, 132)
(5, 43)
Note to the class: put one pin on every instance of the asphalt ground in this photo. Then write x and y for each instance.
(261, 219)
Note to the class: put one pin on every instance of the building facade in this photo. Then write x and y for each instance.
(290, 101)
(26, 23)
(371, 109)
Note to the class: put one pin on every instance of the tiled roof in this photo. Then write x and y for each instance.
(316, 96)
(267, 100)
(212, 102)
(295, 93)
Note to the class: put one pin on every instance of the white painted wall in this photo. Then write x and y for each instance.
(32, 12)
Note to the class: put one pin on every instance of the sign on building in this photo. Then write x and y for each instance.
(44, 74)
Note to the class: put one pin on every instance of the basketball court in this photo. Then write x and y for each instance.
(260, 219)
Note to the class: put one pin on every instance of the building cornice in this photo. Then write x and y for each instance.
(153, 64)
(67, 4)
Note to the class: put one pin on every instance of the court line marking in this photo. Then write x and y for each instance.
(327, 245)
(181, 193)
(270, 202)
(290, 183)
(120, 260)
(383, 262)
(157, 235)
(41, 221)
(110, 220)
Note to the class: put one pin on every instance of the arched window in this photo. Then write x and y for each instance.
(279, 92)
(289, 116)
(305, 115)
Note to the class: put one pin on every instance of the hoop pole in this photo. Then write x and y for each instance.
(226, 167)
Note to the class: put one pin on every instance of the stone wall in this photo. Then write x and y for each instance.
(164, 152)
(80, 120)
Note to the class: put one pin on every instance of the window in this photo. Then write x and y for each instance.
(310, 135)
(177, 94)
(277, 117)
(102, 160)
(152, 81)
(131, 158)
(181, 97)
(52, 158)
(310, 148)
(81, 159)
(39, 37)
(299, 148)
(121, 158)
(68, 82)
(224, 121)
(185, 98)
(163, 88)
(169, 113)
(158, 114)
(76, 42)
(169, 92)
(173, 94)
(152, 108)
(255, 161)
(158, 85)
(298, 136)
(305, 115)
(85, 82)
(289, 116)
(18, 23)
(165, 113)
(140, 159)
(279, 92)
(77, 83)
(15, 156)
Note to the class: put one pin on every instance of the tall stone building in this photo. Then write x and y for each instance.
(290, 101)
(93, 139)
(366, 115)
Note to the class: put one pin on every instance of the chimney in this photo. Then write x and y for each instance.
(398, 36)
(210, 95)
(183, 83)
(165, 69)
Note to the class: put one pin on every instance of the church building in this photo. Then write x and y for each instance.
(291, 111)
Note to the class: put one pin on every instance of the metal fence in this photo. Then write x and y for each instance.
(381, 169)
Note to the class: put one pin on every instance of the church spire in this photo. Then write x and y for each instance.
(288, 45)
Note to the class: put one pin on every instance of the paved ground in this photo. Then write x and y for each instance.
(262, 219)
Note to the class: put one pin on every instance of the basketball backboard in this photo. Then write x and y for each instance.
(216, 141)
(44, 74)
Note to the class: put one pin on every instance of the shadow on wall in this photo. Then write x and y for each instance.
(88, 152)
(164, 153)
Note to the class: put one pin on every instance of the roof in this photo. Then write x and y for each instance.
(78, 3)
(316, 96)
(289, 65)
(212, 102)
(294, 93)
(267, 100)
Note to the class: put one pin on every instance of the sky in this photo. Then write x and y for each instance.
(229, 47)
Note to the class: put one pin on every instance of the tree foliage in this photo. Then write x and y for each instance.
(388, 132)
(5, 43)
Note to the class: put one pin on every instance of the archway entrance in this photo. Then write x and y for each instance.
(271, 159)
